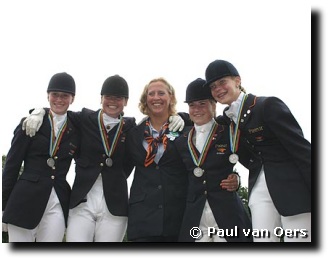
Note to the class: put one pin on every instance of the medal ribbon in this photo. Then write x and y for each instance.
(55, 141)
(108, 150)
(235, 133)
(198, 161)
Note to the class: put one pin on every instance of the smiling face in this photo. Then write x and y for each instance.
(158, 99)
(226, 90)
(201, 112)
(60, 101)
(113, 105)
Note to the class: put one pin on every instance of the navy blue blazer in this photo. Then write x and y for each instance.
(226, 206)
(91, 162)
(275, 140)
(158, 192)
(25, 197)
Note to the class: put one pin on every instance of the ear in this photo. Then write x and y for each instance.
(73, 97)
(237, 80)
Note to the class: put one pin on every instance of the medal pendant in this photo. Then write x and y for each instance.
(51, 162)
(109, 162)
(198, 172)
(234, 158)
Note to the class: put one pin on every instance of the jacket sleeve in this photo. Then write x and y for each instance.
(14, 160)
(186, 118)
(280, 121)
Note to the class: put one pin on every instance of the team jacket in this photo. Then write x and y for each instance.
(158, 192)
(226, 206)
(25, 197)
(91, 162)
(275, 141)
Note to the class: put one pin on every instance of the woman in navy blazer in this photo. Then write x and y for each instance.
(280, 168)
(36, 203)
(158, 191)
(213, 213)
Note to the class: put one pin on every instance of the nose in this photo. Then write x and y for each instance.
(156, 96)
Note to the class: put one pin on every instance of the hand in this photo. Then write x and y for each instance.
(231, 183)
(176, 123)
(4, 226)
(33, 122)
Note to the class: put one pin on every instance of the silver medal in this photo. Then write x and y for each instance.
(234, 158)
(109, 162)
(51, 162)
(198, 172)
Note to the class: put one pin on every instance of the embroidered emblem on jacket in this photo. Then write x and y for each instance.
(260, 128)
(221, 148)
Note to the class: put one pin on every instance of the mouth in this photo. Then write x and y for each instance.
(112, 107)
(58, 105)
(221, 95)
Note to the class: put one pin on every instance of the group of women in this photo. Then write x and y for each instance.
(184, 185)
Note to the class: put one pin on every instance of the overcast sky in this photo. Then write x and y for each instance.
(267, 41)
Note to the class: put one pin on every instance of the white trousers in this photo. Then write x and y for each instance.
(50, 229)
(268, 224)
(92, 222)
(208, 221)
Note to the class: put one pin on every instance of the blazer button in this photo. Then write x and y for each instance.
(101, 164)
(160, 187)
(205, 192)
(52, 177)
(157, 167)
(204, 182)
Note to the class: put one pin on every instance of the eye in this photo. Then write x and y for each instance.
(222, 82)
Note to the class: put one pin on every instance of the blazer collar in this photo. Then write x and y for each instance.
(247, 109)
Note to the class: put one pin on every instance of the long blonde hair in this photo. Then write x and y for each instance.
(173, 101)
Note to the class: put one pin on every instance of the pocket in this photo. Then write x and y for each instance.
(29, 177)
(136, 198)
(82, 162)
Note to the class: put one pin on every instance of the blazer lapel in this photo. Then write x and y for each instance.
(247, 109)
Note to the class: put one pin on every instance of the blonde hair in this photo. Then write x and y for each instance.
(240, 87)
(213, 103)
(173, 101)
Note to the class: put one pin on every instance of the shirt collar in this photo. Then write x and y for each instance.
(57, 118)
(205, 127)
(233, 110)
(109, 121)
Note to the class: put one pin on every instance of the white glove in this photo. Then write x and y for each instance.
(33, 122)
(176, 123)
(4, 226)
